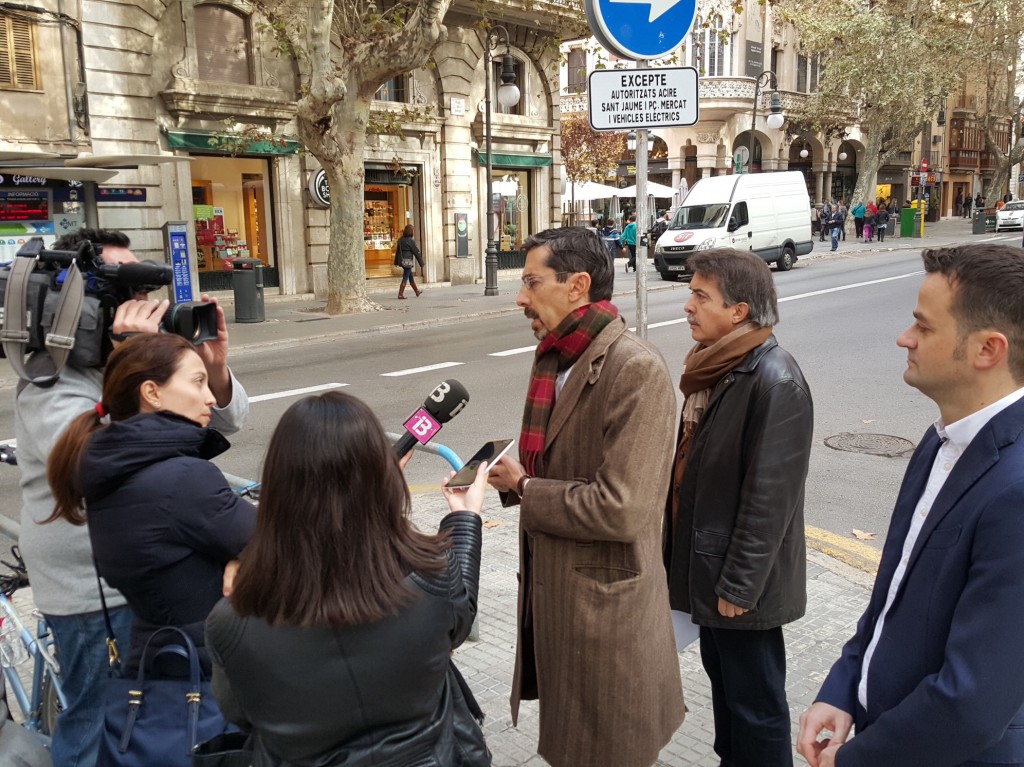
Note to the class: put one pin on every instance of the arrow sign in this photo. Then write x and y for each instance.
(621, 27)
(658, 7)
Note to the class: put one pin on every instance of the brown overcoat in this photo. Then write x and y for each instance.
(595, 640)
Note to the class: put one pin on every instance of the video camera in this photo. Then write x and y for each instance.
(44, 291)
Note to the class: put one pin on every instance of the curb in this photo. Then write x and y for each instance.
(857, 555)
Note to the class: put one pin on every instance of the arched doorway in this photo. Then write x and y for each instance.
(844, 179)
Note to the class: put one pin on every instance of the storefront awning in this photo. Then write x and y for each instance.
(214, 142)
(60, 172)
(512, 160)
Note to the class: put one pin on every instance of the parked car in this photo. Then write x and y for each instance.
(765, 213)
(1011, 216)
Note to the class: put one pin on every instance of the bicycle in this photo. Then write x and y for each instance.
(40, 702)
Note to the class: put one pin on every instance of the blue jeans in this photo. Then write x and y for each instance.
(82, 652)
(835, 237)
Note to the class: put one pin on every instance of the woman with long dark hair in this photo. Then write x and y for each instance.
(162, 519)
(407, 255)
(334, 645)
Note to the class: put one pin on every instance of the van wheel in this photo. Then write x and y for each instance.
(785, 263)
(669, 276)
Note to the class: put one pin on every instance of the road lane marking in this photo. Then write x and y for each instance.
(296, 392)
(424, 369)
(853, 553)
(510, 352)
(850, 287)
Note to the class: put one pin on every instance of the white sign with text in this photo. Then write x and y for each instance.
(627, 99)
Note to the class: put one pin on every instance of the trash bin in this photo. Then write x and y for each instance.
(890, 227)
(907, 222)
(247, 282)
(978, 222)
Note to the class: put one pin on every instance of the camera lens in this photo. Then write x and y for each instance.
(195, 321)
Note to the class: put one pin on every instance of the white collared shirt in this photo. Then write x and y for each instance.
(561, 378)
(956, 437)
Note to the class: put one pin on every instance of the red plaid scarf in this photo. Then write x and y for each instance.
(556, 353)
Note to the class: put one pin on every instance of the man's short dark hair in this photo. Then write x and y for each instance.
(96, 236)
(573, 250)
(988, 292)
(742, 277)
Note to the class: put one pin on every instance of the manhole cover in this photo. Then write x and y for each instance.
(872, 444)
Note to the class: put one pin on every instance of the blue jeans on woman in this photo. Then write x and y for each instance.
(84, 669)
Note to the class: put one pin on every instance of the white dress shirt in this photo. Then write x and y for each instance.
(955, 439)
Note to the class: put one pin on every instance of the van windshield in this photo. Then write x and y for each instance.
(700, 217)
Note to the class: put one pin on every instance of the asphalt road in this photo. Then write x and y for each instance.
(839, 317)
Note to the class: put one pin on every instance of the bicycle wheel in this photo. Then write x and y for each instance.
(50, 707)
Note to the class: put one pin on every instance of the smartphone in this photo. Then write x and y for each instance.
(491, 452)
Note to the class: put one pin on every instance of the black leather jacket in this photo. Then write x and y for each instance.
(740, 529)
(356, 695)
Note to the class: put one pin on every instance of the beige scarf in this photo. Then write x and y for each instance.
(705, 366)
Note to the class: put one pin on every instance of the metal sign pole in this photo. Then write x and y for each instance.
(641, 218)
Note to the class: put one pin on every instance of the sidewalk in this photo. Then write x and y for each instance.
(837, 594)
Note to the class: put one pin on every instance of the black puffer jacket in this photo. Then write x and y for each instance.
(740, 530)
(163, 520)
(357, 695)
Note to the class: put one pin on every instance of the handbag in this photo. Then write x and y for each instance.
(467, 720)
(150, 722)
(404, 256)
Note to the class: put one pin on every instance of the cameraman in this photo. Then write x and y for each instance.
(59, 555)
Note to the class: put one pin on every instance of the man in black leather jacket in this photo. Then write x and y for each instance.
(735, 548)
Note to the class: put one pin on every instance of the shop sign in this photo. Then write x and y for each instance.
(462, 235)
(319, 189)
(121, 194)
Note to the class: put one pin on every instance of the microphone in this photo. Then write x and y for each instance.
(444, 403)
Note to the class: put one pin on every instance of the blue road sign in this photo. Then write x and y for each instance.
(640, 29)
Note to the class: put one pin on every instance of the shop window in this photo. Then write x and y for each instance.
(577, 71)
(231, 210)
(395, 89)
(223, 44)
(511, 190)
(520, 70)
(17, 54)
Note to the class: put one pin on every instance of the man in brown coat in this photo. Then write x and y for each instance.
(595, 641)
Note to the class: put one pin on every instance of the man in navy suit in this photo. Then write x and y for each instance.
(934, 675)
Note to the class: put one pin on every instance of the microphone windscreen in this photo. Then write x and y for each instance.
(447, 400)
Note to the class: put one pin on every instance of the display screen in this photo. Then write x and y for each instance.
(24, 210)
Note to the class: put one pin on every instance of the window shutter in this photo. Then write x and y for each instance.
(17, 55)
(222, 45)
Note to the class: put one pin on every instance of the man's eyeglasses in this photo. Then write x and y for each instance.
(530, 282)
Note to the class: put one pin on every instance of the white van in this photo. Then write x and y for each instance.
(762, 212)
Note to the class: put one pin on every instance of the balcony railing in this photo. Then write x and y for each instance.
(966, 103)
(964, 159)
(989, 162)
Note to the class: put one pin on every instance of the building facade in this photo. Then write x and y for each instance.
(133, 85)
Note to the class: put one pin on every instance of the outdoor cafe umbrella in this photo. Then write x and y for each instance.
(589, 190)
(658, 190)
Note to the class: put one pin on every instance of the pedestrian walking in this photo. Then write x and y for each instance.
(407, 255)
(610, 238)
(629, 240)
(835, 225)
(967, 207)
(843, 211)
(959, 210)
(869, 220)
(934, 673)
(594, 642)
(979, 201)
(735, 545)
(824, 215)
(881, 221)
(858, 211)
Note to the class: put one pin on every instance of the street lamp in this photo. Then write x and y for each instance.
(776, 118)
(508, 96)
(631, 141)
(805, 153)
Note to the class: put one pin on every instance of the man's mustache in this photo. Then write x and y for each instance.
(531, 314)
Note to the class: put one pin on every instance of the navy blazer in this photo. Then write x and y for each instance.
(946, 682)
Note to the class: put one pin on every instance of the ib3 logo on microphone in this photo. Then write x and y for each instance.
(422, 426)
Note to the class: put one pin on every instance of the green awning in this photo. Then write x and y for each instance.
(219, 142)
(510, 160)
